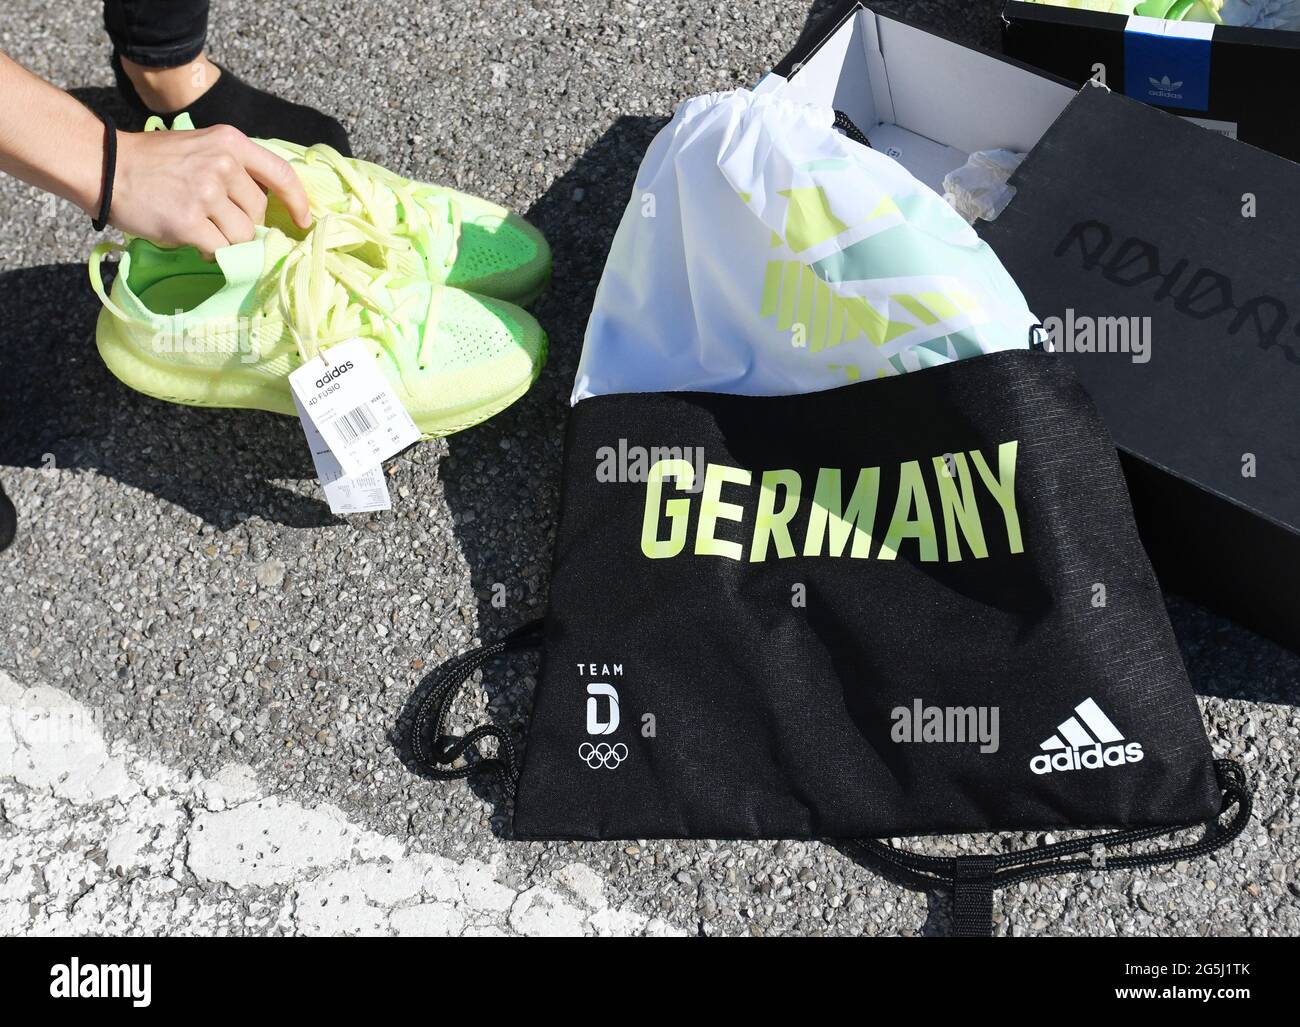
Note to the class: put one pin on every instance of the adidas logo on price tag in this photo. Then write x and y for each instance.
(348, 401)
(1086, 741)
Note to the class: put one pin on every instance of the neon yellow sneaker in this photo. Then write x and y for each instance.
(227, 334)
(460, 240)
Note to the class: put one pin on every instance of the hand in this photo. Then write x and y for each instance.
(200, 188)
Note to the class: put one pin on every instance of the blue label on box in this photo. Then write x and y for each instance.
(1168, 62)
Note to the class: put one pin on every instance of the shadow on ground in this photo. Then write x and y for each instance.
(938, 900)
(67, 411)
(506, 473)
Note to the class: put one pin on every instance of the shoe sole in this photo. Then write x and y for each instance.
(525, 301)
(197, 390)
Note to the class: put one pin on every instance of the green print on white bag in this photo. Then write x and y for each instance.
(819, 317)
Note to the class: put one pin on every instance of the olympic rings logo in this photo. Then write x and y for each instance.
(602, 755)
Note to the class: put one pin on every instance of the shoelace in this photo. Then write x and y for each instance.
(325, 293)
(307, 300)
(323, 289)
(375, 194)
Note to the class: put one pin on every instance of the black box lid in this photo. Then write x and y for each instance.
(1123, 211)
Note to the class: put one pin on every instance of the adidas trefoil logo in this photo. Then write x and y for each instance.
(1086, 741)
(1163, 87)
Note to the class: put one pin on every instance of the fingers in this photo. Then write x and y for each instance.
(246, 195)
(201, 188)
(231, 222)
(276, 175)
(205, 237)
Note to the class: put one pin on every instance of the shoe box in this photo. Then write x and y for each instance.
(1235, 80)
(1163, 257)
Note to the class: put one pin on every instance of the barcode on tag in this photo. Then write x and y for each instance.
(346, 397)
(355, 423)
(362, 493)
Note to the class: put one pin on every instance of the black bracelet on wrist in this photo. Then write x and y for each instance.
(110, 169)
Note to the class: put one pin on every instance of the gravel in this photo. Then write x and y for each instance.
(178, 574)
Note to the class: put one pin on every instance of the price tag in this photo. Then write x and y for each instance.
(345, 397)
(364, 493)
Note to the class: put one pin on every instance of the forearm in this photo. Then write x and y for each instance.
(49, 139)
(199, 188)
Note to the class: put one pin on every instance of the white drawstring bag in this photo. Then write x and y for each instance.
(764, 253)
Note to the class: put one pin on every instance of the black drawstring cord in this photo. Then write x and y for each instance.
(975, 878)
(431, 717)
(845, 124)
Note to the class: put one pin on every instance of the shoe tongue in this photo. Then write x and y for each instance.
(246, 266)
(243, 263)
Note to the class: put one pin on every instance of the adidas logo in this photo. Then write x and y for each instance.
(334, 372)
(1074, 748)
(1163, 87)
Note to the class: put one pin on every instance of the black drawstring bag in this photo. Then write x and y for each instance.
(911, 606)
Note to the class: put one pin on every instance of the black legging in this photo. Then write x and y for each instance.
(157, 33)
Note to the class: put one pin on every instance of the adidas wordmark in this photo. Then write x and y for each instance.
(1086, 741)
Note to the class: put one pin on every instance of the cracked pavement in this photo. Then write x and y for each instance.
(95, 838)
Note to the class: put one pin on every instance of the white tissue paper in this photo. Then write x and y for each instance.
(978, 189)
